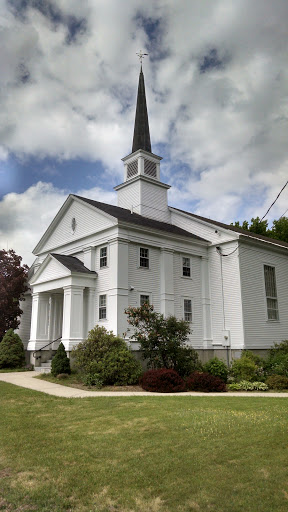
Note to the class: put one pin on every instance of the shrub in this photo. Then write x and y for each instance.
(217, 368)
(245, 385)
(205, 382)
(12, 353)
(277, 364)
(62, 376)
(244, 369)
(163, 340)
(60, 362)
(277, 382)
(104, 359)
(162, 380)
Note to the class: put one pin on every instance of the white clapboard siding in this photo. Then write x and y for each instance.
(259, 332)
(201, 229)
(88, 222)
(25, 320)
(145, 281)
(232, 294)
(154, 202)
(129, 196)
(190, 289)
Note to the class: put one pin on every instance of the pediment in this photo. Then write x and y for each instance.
(50, 270)
(74, 221)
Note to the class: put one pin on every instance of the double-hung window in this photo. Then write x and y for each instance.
(271, 293)
(188, 310)
(102, 307)
(144, 257)
(144, 299)
(103, 257)
(186, 267)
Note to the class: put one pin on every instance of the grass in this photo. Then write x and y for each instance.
(136, 454)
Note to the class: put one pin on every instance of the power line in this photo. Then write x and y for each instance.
(283, 214)
(274, 201)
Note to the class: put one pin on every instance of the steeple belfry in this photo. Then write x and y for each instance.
(141, 139)
(142, 191)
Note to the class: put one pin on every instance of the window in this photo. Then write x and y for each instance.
(103, 257)
(144, 299)
(144, 257)
(271, 292)
(188, 310)
(186, 269)
(102, 307)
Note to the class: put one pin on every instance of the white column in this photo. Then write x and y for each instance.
(206, 303)
(39, 334)
(167, 282)
(56, 316)
(72, 330)
(91, 309)
(89, 258)
(118, 284)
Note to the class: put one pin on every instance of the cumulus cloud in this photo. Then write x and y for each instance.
(216, 82)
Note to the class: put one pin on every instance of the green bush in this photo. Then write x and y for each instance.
(245, 385)
(12, 353)
(163, 341)
(60, 362)
(104, 359)
(277, 382)
(277, 361)
(217, 368)
(244, 369)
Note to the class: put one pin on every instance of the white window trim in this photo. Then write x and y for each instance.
(102, 295)
(181, 266)
(144, 293)
(139, 266)
(269, 320)
(192, 309)
(107, 256)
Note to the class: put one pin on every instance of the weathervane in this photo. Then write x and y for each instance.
(141, 56)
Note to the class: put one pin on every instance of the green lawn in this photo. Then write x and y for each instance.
(152, 454)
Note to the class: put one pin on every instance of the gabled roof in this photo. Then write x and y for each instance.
(241, 231)
(72, 263)
(124, 215)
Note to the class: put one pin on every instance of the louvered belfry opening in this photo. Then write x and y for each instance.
(150, 168)
(132, 169)
(141, 139)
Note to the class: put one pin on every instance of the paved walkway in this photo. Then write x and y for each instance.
(26, 380)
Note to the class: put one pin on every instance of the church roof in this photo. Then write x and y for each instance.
(241, 231)
(122, 214)
(72, 263)
(141, 139)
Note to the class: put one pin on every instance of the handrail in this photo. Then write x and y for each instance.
(50, 343)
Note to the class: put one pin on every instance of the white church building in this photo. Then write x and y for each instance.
(96, 259)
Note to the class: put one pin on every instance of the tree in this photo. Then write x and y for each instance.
(60, 362)
(13, 285)
(280, 229)
(12, 353)
(162, 340)
(256, 226)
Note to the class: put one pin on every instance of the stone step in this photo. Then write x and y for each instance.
(40, 369)
(47, 364)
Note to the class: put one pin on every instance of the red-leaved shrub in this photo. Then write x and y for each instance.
(162, 380)
(205, 382)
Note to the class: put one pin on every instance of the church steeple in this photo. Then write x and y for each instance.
(141, 139)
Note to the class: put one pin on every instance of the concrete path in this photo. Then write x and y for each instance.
(26, 380)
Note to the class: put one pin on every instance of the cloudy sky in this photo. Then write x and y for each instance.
(216, 85)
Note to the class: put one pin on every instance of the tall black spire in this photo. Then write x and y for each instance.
(141, 139)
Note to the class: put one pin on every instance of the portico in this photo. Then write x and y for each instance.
(63, 302)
